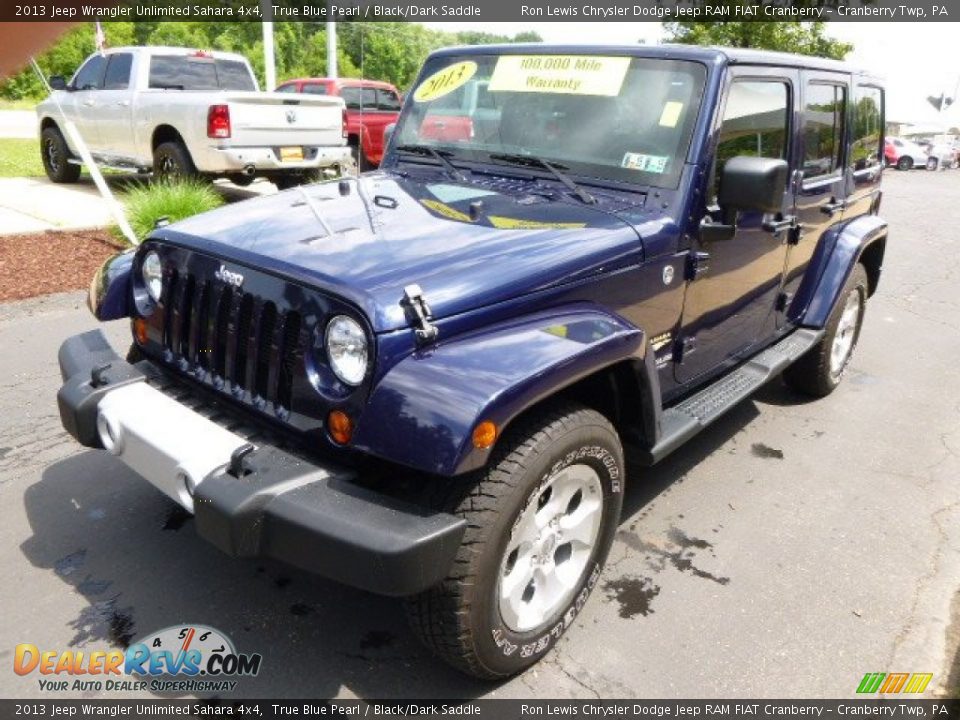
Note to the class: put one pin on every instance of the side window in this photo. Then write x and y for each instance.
(351, 96)
(90, 75)
(866, 149)
(755, 123)
(369, 99)
(388, 100)
(117, 76)
(823, 113)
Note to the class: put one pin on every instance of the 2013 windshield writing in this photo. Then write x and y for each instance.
(597, 116)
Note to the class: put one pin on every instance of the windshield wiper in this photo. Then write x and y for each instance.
(553, 168)
(442, 156)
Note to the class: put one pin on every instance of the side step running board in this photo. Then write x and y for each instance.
(685, 419)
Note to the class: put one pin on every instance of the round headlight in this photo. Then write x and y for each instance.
(346, 345)
(152, 273)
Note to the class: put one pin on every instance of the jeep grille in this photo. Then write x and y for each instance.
(243, 342)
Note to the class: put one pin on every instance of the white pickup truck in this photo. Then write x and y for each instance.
(176, 111)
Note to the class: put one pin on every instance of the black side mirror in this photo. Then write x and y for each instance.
(753, 183)
(58, 82)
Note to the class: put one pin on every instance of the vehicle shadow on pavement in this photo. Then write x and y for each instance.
(133, 555)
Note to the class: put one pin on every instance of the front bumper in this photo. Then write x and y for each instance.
(270, 502)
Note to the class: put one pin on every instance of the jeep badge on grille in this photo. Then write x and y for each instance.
(230, 278)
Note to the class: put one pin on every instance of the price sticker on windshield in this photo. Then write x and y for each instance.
(444, 82)
(563, 74)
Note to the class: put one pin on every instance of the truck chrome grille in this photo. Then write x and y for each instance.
(239, 342)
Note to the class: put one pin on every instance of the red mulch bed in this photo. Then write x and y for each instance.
(52, 261)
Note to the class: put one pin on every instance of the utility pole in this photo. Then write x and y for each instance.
(269, 59)
(331, 49)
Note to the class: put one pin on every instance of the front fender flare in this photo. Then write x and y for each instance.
(423, 412)
(110, 293)
(841, 248)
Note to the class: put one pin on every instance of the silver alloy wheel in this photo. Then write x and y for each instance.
(846, 333)
(53, 155)
(549, 547)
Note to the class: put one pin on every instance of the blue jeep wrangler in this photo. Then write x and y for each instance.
(421, 381)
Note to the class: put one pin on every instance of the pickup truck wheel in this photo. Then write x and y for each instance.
(819, 372)
(55, 154)
(540, 522)
(172, 160)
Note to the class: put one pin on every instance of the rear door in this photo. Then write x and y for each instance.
(730, 301)
(865, 155)
(820, 178)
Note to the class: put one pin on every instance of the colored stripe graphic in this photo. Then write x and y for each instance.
(918, 682)
(894, 682)
(871, 682)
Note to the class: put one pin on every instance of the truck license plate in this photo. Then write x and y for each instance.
(291, 154)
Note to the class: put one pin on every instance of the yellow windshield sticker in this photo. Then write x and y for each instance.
(563, 74)
(507, 223)
(671, 114)
(445, 210)
(445, 81)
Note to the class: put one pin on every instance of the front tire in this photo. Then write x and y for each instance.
(932, 163)
(540, 522)
(905, 163)
(55, 155)
(819, 372)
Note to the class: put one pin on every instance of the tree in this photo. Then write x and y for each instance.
(805, 38)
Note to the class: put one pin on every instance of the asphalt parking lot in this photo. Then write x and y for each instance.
(788, 550)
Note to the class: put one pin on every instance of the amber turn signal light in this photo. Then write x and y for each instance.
(140, 330)
(484, 435)
(340, 426)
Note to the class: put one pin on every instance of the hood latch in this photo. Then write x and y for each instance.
(419, 313)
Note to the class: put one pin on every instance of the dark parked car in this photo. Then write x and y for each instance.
(421, 381)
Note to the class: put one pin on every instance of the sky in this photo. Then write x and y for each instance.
(917, 59)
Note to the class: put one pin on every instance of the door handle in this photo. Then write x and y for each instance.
(89, 103)
(123, 103)
(833, 207)
(778, 226)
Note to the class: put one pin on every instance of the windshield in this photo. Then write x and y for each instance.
(607, 117)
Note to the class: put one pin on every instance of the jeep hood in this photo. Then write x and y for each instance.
(366, 240)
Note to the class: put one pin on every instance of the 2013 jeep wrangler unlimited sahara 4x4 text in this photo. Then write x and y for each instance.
(420, 382)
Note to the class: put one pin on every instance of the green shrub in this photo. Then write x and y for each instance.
(172, 199)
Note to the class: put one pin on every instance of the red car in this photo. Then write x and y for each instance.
(371, 106)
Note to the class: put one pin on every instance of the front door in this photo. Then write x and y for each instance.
(822, 184)
(731, 297)
(84, 104)
(115, 121)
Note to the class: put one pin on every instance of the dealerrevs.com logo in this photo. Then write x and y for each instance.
(178, 659)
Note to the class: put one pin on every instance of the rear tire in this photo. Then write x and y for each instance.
(172, 160)
(932, 163)
(819, 372)
(905, 163)
(540, 521)
(55, 156)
